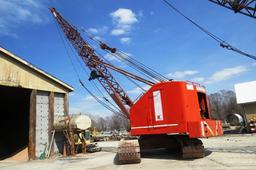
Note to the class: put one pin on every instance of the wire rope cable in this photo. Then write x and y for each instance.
(223, 43)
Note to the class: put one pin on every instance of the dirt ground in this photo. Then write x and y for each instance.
(227, 152)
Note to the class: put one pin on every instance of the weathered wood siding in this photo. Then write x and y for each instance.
(16, 74)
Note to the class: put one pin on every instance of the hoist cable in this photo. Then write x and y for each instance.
(153, 71)
(222, 43)
(130, 79)
(134, 63)
(93, 38)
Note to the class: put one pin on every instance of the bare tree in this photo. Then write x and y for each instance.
(223, 103)
(216, 105)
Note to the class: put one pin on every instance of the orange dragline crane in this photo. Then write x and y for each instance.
(171, 114)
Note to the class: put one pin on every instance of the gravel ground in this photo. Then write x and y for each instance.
(227, 152)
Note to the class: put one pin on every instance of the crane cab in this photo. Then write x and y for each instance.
(175, 107)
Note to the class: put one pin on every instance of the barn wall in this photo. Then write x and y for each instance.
(47, 106)
(59, 110)
(42, 122)
(48, 98)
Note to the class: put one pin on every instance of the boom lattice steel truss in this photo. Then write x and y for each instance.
(246, 7)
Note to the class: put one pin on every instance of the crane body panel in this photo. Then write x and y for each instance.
(175, 107)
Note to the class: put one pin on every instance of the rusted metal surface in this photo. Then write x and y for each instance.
(32, 125)
(192, 149)
(245, 7)
(106, 47)
(121, 71)
(89, 57)
(128, 152)
(51, 118)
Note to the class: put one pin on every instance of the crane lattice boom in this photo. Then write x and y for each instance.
(95, 64)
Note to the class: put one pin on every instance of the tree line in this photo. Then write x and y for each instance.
(223, 103)
(113, 122)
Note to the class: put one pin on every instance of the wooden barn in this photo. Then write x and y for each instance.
(30, 98)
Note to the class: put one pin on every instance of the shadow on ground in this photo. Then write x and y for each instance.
(162, 154)
(166, 154)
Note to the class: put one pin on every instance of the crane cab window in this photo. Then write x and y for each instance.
(204, 112)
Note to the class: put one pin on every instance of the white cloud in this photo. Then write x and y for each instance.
(118, 31)
(88, 105)
(89, 98)
(254, 64)
(198, 79)
(125, 40)
(123, 20)
(110, 57)
(93, 30)
(103, 30)
(98, 30)
(226, 74)
(16, 13)
(124, 16)
(182, 74)
(136, 90)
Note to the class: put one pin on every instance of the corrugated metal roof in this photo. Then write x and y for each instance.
(18, 59)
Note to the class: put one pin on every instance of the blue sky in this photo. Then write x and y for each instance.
(147, 30)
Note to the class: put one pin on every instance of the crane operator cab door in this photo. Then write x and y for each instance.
(203, 105)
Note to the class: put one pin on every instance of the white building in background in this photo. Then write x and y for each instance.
(246, 97)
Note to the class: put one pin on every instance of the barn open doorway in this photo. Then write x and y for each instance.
(14, 126)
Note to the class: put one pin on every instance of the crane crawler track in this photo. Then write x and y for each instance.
(128, 152)
(192, 149)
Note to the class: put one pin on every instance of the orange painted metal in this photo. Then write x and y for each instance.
(181, 112)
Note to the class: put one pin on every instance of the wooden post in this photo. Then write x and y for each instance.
(66, 111)
(32, 126)
(83, 143)
(51, 119)
(72, 144)
(64, 150)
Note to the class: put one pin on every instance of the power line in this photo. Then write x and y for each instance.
(130, 79)
(222, 43)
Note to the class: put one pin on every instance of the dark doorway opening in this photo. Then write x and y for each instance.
(14, 126)
(203, 105)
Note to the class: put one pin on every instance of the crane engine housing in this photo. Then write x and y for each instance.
(175, 107)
